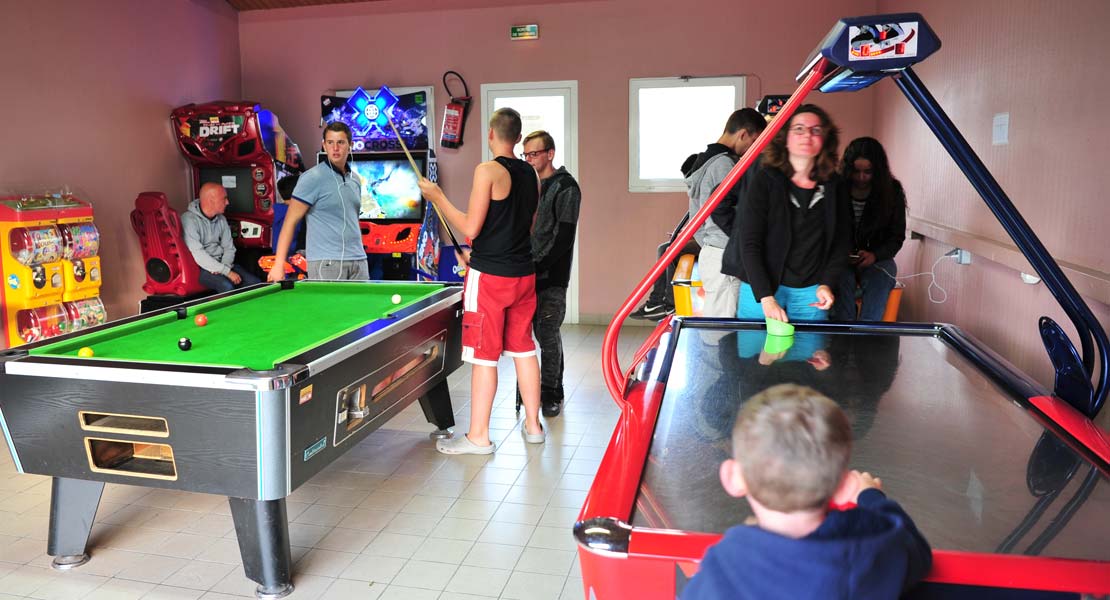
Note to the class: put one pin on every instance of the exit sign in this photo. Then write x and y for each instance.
(524, 32)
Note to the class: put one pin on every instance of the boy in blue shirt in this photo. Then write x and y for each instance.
(791, 447)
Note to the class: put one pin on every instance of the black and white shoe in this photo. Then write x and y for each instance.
(652, 312)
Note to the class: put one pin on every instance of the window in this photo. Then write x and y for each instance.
(671, 118)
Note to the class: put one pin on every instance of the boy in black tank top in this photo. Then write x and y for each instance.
(499, 296)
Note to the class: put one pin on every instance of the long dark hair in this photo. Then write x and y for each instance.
(825, 164)
(886, 191)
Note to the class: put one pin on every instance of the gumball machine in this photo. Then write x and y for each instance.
(39, 251)
(81, 275)
(48, 254)
(85, 313)
(80, 264)
(34, 324)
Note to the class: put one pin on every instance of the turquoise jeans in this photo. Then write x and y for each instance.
(795, 301)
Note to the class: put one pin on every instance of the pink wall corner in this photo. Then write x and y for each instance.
(290, 57)
(88, 90)
(1034, 60)
(989, 301)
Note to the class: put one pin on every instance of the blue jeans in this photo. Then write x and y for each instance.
(795, 301)
(875, 286)
(220, 283)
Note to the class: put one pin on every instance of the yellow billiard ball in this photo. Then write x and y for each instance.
(85, 352)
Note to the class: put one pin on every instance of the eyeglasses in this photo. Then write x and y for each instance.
(815, 131)
(534, 153)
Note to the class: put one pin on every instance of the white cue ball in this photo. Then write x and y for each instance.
(396, 298)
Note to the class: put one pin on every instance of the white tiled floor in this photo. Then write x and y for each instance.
(391, 519)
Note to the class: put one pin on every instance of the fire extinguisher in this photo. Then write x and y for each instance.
(454, 115)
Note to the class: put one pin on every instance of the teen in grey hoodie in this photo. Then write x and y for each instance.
(708, 171)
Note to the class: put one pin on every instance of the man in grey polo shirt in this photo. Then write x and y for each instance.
(328, 197)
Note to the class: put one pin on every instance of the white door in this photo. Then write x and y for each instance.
(553, 107)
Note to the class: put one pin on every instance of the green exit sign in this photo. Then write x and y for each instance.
(524, 32)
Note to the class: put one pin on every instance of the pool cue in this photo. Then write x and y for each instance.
(412, 162)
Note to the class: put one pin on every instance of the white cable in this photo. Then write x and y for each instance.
(932, 273)
(343, 209)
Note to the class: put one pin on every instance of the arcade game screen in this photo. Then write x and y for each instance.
(389, 187)
(237, 181)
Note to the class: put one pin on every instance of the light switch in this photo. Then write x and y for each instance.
(1000, 129)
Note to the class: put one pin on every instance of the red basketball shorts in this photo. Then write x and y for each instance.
(497, 317)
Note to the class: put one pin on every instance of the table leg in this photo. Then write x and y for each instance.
(262, 527)
(73, 504)
(437, 409)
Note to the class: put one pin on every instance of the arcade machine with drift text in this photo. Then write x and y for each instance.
(242, 147)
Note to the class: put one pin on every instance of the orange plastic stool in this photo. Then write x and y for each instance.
(686, 285)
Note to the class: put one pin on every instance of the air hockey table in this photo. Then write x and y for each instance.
(1009, 481)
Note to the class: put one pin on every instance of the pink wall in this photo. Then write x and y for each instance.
(1040, 64)
(291, 56)
(86, 98)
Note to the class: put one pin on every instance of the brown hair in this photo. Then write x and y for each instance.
(889, 194)
(793, 446)
(505, 124)
(543, 136)
(339, 126)
(823, 168)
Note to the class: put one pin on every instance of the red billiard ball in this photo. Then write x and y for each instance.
(200, 320)
(184, 343)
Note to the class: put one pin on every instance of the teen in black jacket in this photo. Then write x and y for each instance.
(879, 228)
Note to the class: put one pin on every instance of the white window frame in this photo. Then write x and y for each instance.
(676, 184)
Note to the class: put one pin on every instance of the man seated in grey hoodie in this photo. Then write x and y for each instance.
(208, 237)
(702, 178)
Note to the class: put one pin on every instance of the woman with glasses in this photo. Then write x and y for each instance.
(879, 230)
(793, 226)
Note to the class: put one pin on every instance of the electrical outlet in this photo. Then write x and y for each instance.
(963, 257)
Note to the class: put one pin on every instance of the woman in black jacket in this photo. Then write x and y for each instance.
(879, 229)
(793, 226)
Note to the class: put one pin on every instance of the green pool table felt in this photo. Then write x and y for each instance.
(255, 329)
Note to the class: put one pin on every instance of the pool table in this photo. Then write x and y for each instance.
(281, 380)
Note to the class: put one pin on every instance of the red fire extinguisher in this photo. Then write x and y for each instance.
(454, 115)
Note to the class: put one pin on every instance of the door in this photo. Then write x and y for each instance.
(553, 107)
